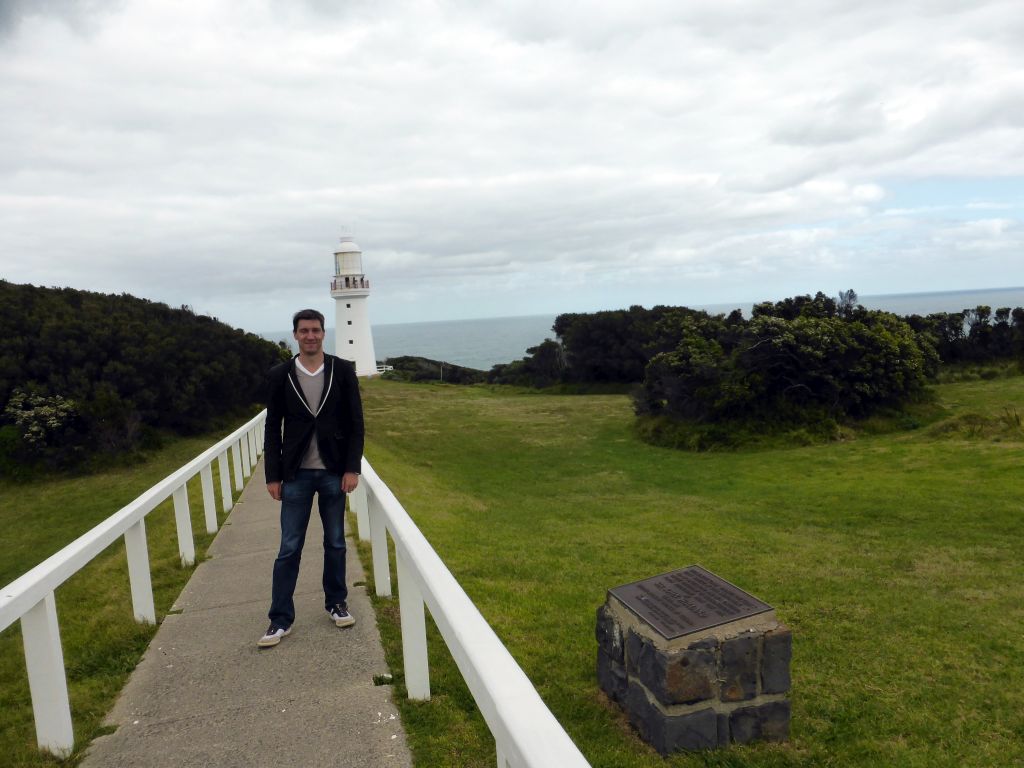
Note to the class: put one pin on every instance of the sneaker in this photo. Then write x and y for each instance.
(340, 616)
(273, 636)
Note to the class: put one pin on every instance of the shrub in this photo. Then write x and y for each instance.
(45, 428)
(788, 370)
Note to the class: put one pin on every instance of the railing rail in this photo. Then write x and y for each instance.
(525, 732)
(30, 597)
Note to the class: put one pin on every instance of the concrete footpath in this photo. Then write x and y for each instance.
(205, 695)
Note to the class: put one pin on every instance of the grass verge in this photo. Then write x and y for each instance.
(756, 434)
(895, 558)
(102, 642)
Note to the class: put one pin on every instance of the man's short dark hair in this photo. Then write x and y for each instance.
(307, 314)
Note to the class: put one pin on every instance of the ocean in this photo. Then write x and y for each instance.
(485, 342)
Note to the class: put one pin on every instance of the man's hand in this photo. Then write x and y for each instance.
(274, 489)
(349, 481)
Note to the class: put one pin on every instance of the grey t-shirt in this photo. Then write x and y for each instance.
(312, 385)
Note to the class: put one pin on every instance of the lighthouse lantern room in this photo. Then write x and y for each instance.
(353, 339)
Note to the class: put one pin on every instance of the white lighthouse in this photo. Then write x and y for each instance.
(349, 289)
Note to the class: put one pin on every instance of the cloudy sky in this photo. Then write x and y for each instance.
(510, 158)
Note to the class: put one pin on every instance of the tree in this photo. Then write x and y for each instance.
(819, 305)
(1017, 329)
(127, 365)
(604, 346)
(846, 303)
(542, 366)
(979, 331)
(1001, 345)
(789, 369)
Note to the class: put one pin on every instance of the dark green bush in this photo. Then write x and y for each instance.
(83, 373)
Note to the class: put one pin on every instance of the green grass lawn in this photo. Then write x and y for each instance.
(896, 559)
(101, 641)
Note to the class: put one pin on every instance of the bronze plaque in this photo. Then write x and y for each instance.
(688, 600)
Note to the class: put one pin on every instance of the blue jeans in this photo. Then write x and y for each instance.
(296, 505)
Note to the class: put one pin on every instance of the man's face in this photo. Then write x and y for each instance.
(310, 336)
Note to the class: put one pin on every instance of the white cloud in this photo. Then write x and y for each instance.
(984, 235)
(512, 156)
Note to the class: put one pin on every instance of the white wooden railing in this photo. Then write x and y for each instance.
(525, 732)
(30, 598)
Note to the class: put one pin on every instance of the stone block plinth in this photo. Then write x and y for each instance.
(704, 689)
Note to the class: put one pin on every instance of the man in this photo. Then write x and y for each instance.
(316, 397)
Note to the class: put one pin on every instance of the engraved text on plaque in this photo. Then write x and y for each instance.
(687, 600)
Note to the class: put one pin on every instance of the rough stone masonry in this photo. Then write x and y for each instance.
(704, 690)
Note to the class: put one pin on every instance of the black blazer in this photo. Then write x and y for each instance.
(337, 422)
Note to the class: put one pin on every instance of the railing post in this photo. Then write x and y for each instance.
(253, 450)
(236, 461)
(46, 680)
(209, 502)
(225, 481)
(379, 551)
(186, 546)
(414, 632)
(138, 573)
(358, 501)
(243, 441)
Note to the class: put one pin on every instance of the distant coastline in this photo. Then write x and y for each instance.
(484, 342)
(922, 303)
(945, 293)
